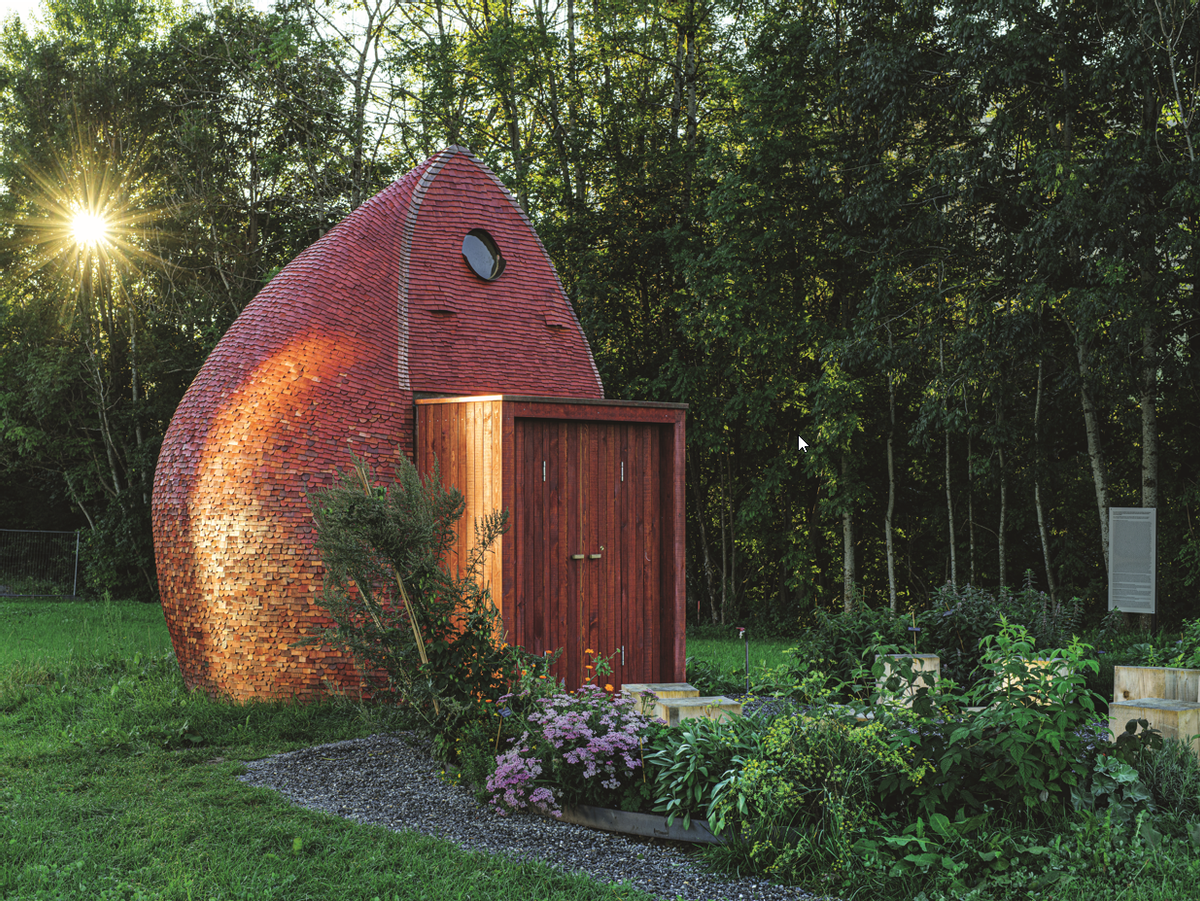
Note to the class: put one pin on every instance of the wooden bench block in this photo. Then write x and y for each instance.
(1132, 682)
(921, 663)
(1174, 719)
(676, 710)
(651, 692)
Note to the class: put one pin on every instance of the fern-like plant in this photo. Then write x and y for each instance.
(417, 632)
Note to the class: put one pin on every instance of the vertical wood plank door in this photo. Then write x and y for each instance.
(588, 546)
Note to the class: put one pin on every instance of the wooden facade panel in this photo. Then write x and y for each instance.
(673, 653)
(591, 479)
(466, 449)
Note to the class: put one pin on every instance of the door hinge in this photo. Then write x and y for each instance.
(543, 470)
(622, 470)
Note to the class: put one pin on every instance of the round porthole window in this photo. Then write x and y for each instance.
(482, 254)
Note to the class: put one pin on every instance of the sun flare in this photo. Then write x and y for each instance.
(89, 229)
(90, 212)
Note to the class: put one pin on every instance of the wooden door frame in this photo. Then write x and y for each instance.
(667, 485)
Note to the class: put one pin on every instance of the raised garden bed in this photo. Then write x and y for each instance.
(647, 825)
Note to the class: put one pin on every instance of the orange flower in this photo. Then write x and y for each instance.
(589, 651)
(608, 686)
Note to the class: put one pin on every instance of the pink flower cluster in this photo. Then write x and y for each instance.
(578, 738)
(513, 783)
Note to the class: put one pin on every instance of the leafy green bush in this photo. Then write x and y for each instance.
(1185, 652)
(957, 622)
(799, 805)
(690, 761)
(416, 632)
(1171, 772)
(1026, 741)
(839, 643)
(1116, 786)
(712, 679)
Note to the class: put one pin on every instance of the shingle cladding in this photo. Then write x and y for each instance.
(324, 361)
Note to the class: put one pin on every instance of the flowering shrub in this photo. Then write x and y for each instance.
(582, 748)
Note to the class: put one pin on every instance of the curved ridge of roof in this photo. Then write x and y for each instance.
(302, 283)
(545, 289)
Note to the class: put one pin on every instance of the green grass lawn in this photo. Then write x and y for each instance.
(50, 629)
(118, 783)
(729, 653)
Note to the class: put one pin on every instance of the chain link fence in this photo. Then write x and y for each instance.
(38, 564)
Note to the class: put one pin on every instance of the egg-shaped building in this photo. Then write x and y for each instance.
(436, 286)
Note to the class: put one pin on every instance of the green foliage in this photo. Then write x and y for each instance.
(471, 739)
(1027, 744)
(690, 763)
(416, 631)
(1170, 770)
(798, 807)
(958, 622)
(839, 643)
(1184, 652)
(1115, 646)
(712, 678)
(1116, 786)
(1126, 852)
(1133, 741)
(117, 556)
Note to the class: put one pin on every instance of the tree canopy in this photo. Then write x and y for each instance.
(951, 245)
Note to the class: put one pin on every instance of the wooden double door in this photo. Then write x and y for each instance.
(588, 545)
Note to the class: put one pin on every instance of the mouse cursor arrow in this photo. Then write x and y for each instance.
(804, 445)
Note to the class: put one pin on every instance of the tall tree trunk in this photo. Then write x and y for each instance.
(970, 510)
(716, 613)
(730, 577)
(573, 107)
(848, 564)
(1001, 549)
(1149, 436)
(1037, 489)
(949, 495)
(1092, 425)
(1149, 421)
(690, 66)
(97, 367)
(891, 504)
(709, 574)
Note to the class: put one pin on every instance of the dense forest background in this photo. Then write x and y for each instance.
(951, 244)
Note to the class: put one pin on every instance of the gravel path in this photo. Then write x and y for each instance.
(391, 781)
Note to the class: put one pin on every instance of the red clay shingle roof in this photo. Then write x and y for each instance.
(323, 361)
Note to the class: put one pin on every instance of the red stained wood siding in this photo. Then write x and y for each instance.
(595, 553)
